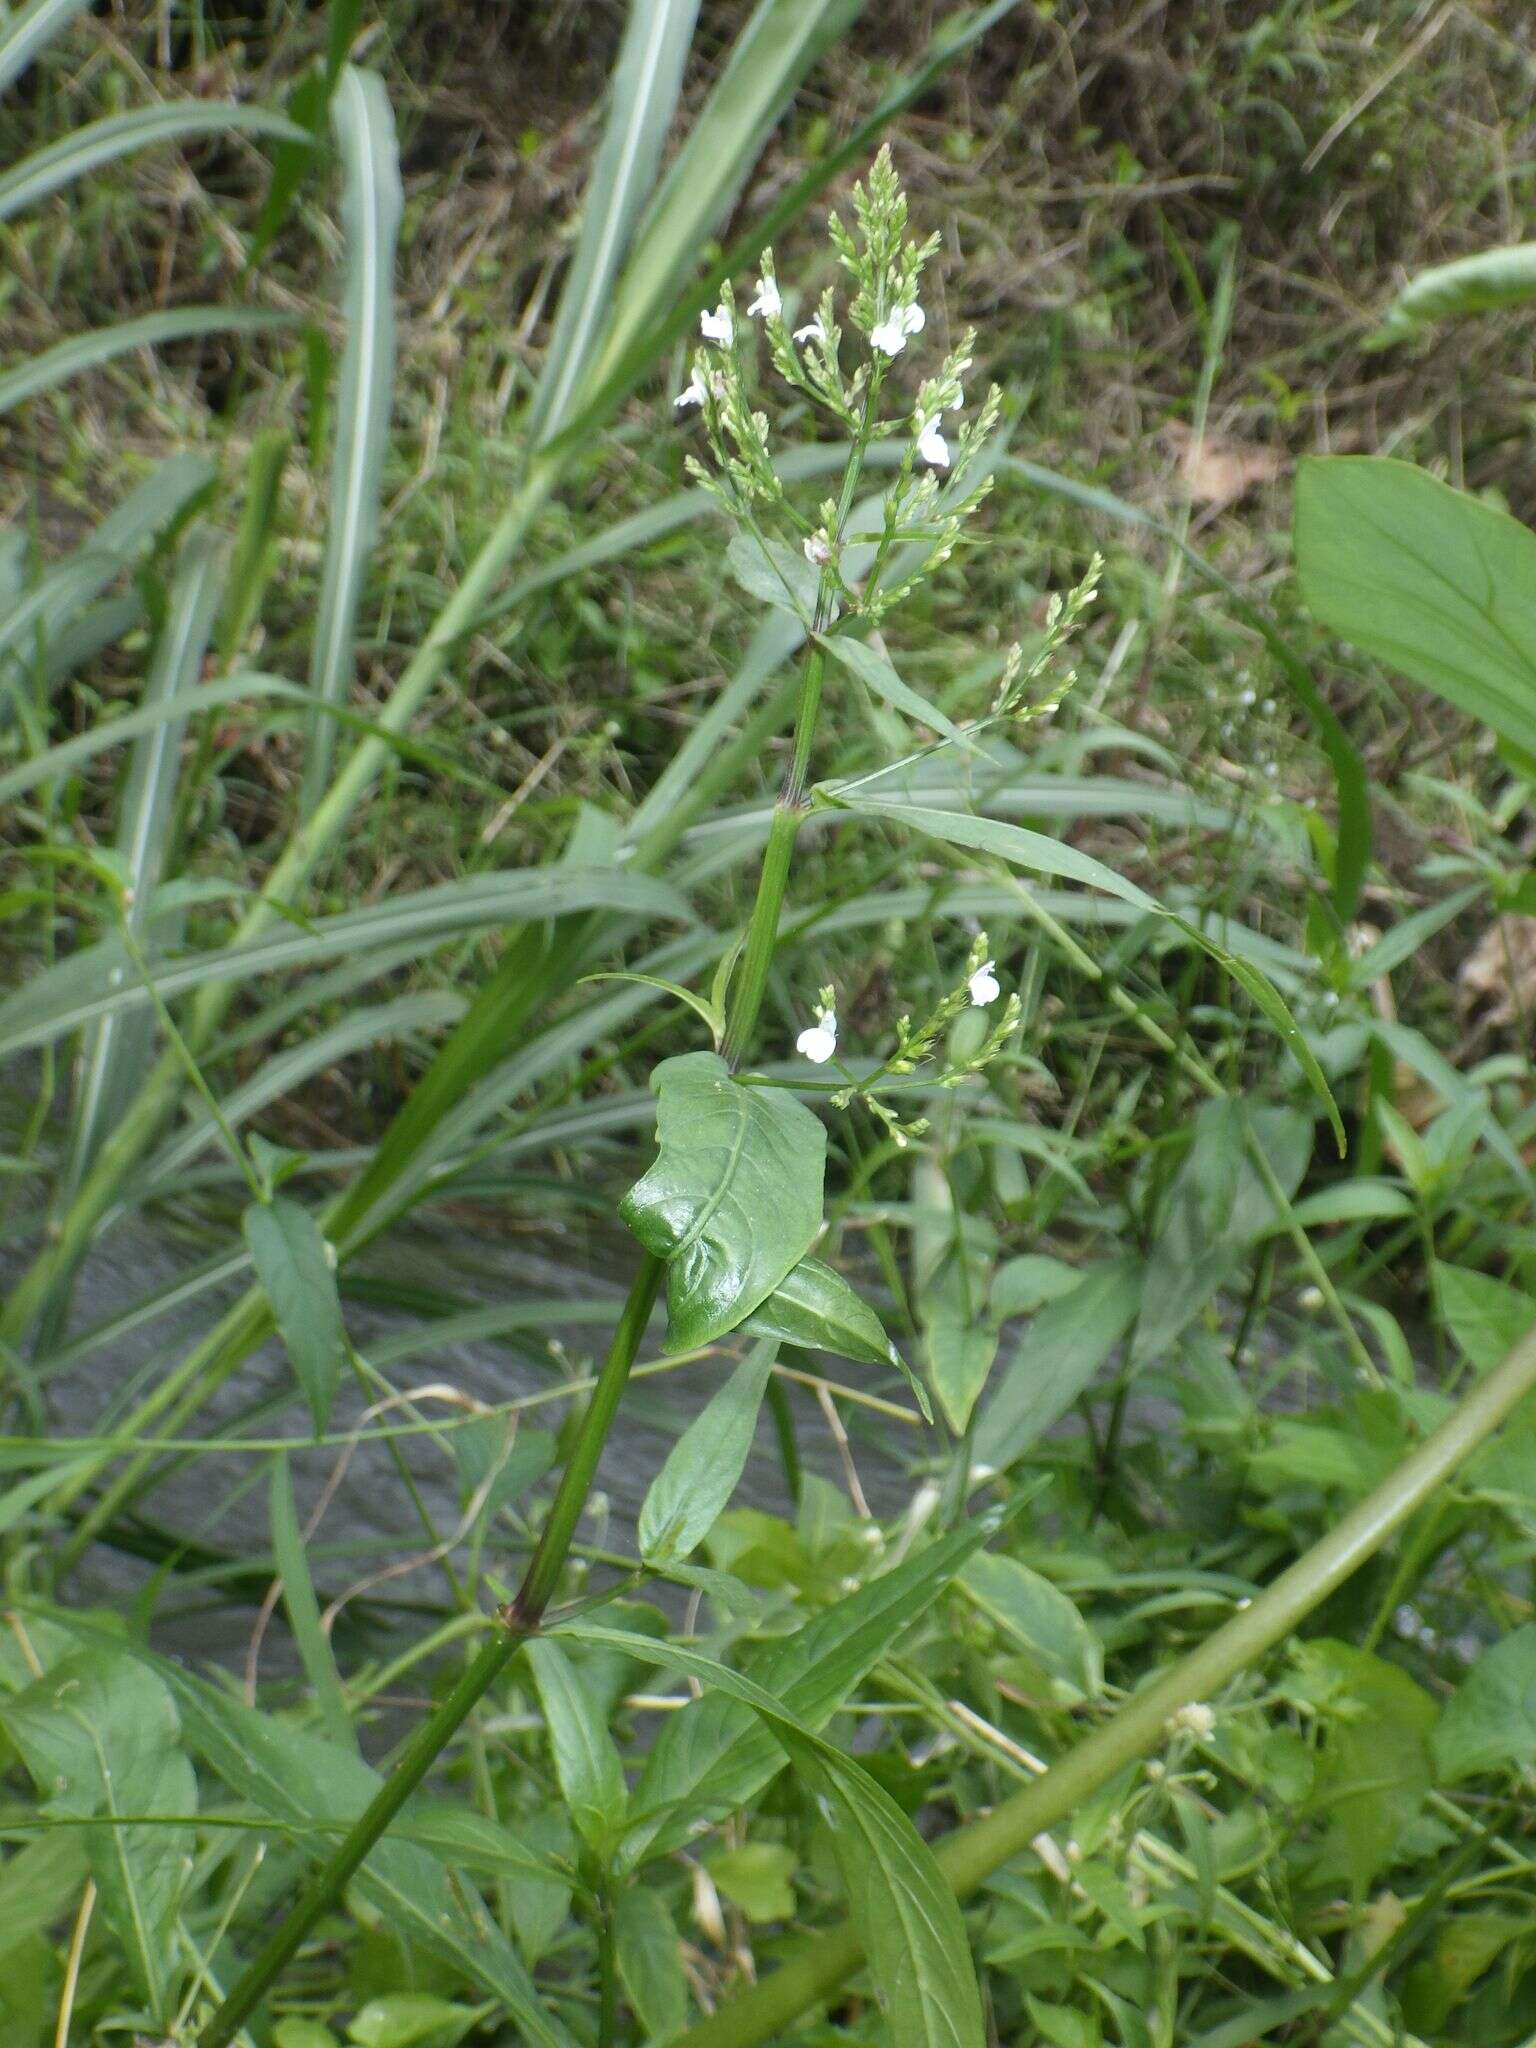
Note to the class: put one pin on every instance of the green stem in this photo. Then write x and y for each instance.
(971, 1854)
(520, 1621)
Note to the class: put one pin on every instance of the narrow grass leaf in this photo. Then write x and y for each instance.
(703, 1467)
(116, 1052)
(782, 39)
(102, 142)
(303, 1609)
(25, 31)
(642, 101)
(370, 216)
(77, 990)
(88, 351)
(294, 1265)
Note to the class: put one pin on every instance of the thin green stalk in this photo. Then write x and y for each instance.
(434, 1734)
(971, 1854)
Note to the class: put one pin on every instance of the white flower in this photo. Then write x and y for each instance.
(693, 392)
(718, 326)
(890, 337)
(983, 986)
(818, 1041)
(817, 550)
(1195, 1719)
(767, 304)
(811, 331)
(931, 444)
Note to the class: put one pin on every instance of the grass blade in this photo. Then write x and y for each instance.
(102, 142)
(778, 46)
(85, 351)
(116, 1052)
(643, 98)
(370, 212)
(26, 31)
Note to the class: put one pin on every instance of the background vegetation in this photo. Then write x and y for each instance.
(1174, 1334)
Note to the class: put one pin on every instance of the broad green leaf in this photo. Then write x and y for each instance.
(1216, 1208)
(115, 1054)
(1465, 1946)
(1487, 1317)
(734, 1198)
(26, 30)
(1490, 1722)
(370, 219)
(878, 674)
(702, 1468)
(756, 1877)
(587, 1764)
(642, 99)
(86, 148)
(85, 351)
(100, 1736)
(296, 2033)
(1041, 1619)
(648, 1954)
(1375, 1766)
(1059, 1353)
(466, 1840)
(1483, 283)
(1426, 579)
(907, 1915)
(710, 1758)
(1040, 854)
(295, 1266)
(303, 1609)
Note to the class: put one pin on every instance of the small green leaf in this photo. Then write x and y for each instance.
(1062, 1349)
(1041, 1619)
(1490, 1724)
(961, 1341)
(410, 2019)
(814, 1306)
(292, 2033)
(1028, 1282)
(877, 674)
(293, 1264)
(649, 1958)
(1375, 1766)
(695, 1484)
(1450, 291)
(711, 1012)
(1487, 1317)
(733, 1201)
(774, 574)
(586, 1760)
(100, 1736)
(303, 1609)
(756, 1877)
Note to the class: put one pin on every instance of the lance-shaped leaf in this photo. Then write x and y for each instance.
(694, 1486)
(101, 1737)
(734, 1198)
(816, 1308)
